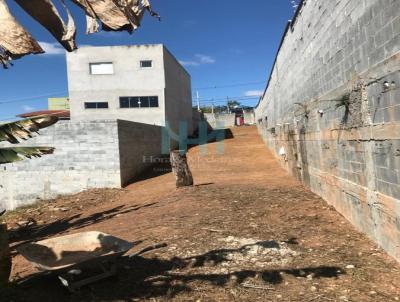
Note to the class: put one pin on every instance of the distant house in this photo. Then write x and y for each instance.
(141, 83)
(56, 106)
(58, 103)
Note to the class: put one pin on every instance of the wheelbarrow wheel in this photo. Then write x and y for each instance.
(5, 257)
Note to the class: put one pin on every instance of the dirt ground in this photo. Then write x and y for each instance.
(246, 231)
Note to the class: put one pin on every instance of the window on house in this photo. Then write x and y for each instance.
(101, 68)
(96, 105)
(146, 64)
(138, 102)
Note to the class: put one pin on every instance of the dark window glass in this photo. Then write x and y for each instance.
(153, 101)
(146, 64)
(124, 102)
(96, 105)
(90, 105)
(134, 102)
(102, 105)
(138, 102)
(144, 102)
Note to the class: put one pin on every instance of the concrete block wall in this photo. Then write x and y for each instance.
(92, 154)
(249, 117)
(331, 110)
(139, 144)
(217, 121)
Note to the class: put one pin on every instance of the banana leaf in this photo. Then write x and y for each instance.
(14, 132)
(15, 41)
(114, 15)
(46, 13)
(10, 155)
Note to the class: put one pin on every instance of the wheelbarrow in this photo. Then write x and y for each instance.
(68, 256)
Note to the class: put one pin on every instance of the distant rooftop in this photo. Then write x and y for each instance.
(62, 114)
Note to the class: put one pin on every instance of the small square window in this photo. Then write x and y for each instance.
(146, 64)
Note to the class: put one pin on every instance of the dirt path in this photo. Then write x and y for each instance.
(246, 232)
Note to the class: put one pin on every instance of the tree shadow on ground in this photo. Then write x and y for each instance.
(145, 278)
(74, 222)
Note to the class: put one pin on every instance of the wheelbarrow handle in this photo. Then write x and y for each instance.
(148, 249)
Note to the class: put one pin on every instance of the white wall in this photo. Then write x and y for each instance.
(129, 79)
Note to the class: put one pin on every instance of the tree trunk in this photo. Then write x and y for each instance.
(181, 169)
(5, 257)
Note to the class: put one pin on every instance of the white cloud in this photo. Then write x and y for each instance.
(189, 63)
(199, 59)
(52, 49)
(28, 108)
(254, 93)
(205, 59)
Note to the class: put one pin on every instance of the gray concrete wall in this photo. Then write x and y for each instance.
(91, 154)
(329, 116)
(198, 117)
(138, 143)
(249, 117)
(86, 156)
(178, 94)
(218, 121)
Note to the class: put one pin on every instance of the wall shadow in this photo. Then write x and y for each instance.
(161, 167)
(213, 136)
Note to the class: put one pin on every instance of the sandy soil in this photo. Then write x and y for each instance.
(246, 231)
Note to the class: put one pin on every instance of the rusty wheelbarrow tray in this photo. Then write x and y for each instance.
(67, 256)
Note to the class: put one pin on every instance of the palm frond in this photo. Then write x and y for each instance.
(14, 132)
(10, 155)
(114, 15)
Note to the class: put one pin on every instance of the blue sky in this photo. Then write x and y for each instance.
(221, 43)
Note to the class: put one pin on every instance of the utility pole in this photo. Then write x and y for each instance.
(198, 101)
(212, 108)
(227, 104)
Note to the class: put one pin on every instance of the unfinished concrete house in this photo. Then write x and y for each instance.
(331, 110)
(121, 99)
(138, 83)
